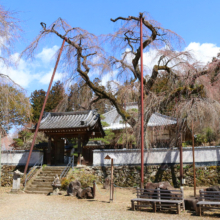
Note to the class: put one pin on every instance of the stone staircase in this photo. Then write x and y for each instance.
(41, 184)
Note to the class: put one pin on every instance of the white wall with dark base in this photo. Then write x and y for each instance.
(206, 155)
(19, 157)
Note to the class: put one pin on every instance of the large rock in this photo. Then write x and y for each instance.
(213, 188)
(162, 185)
(74, 189)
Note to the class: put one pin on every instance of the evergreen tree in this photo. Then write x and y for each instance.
(56, 96)
(54, 102)
(37, 100)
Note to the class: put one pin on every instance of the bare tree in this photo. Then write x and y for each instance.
(14, 105)
(84, 54)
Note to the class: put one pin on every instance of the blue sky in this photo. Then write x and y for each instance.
(196, 21)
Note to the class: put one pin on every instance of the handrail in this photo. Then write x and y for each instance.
(36, 165)
(67, 168)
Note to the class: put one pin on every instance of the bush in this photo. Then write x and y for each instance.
(64, 183)
(86, 179)
(210, 134)
(207, 136)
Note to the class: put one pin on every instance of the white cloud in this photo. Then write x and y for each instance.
(45, 77)
(203, 52)
(148, 58)
(29, 71)
(109, 76)
(47, 54)
(40, 70)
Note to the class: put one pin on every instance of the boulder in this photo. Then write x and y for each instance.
(74, 189)
(213, 188)
(162, 185)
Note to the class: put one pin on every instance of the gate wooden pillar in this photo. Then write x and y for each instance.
(79, 150)
(49, 152)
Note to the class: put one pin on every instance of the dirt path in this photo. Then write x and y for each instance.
(42, 207)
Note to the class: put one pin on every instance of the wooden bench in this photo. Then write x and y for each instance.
(208, 200)
(159, 199)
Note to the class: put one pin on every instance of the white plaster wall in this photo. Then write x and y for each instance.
(207, 154)
(20, 157)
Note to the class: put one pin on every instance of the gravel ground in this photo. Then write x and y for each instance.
(41, 207)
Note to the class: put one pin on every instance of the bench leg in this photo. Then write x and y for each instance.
(132, 205)
(178, 208)
(198, 210)
(154, 207)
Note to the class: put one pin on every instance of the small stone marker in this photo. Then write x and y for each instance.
(107, 182)
(56, 185)
(16, 181)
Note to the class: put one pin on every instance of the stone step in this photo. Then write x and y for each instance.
(36, 192)
(51, 171)
(46, 189)
(48, 175)
(40, 184)
(42, 180)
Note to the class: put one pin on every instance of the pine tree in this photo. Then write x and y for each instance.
(37, 100)
(56, 98)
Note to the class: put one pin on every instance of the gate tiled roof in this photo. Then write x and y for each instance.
(77, 119)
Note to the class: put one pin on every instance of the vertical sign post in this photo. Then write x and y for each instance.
(112, 180)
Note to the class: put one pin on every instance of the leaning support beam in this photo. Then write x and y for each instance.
(42, 110)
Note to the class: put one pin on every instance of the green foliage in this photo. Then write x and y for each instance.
(55, 97)
(109, 135)
(126, 138)
(104, 124)
(210, 134)
(37, 100)
(25, 139)
(186, 143)
(86, 179)
(207, 135)
(64, 183)
(15, 108)
(200, 138)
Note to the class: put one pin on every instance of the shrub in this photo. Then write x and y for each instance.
(207, 136)
(210, 134)
(86, 179)
(64, 183)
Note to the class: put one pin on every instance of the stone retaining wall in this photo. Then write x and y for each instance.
(7, 174)
(129, 176)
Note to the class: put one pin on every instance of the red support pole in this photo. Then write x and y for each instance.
(142, 105)
(42, 110)
(194, 166)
